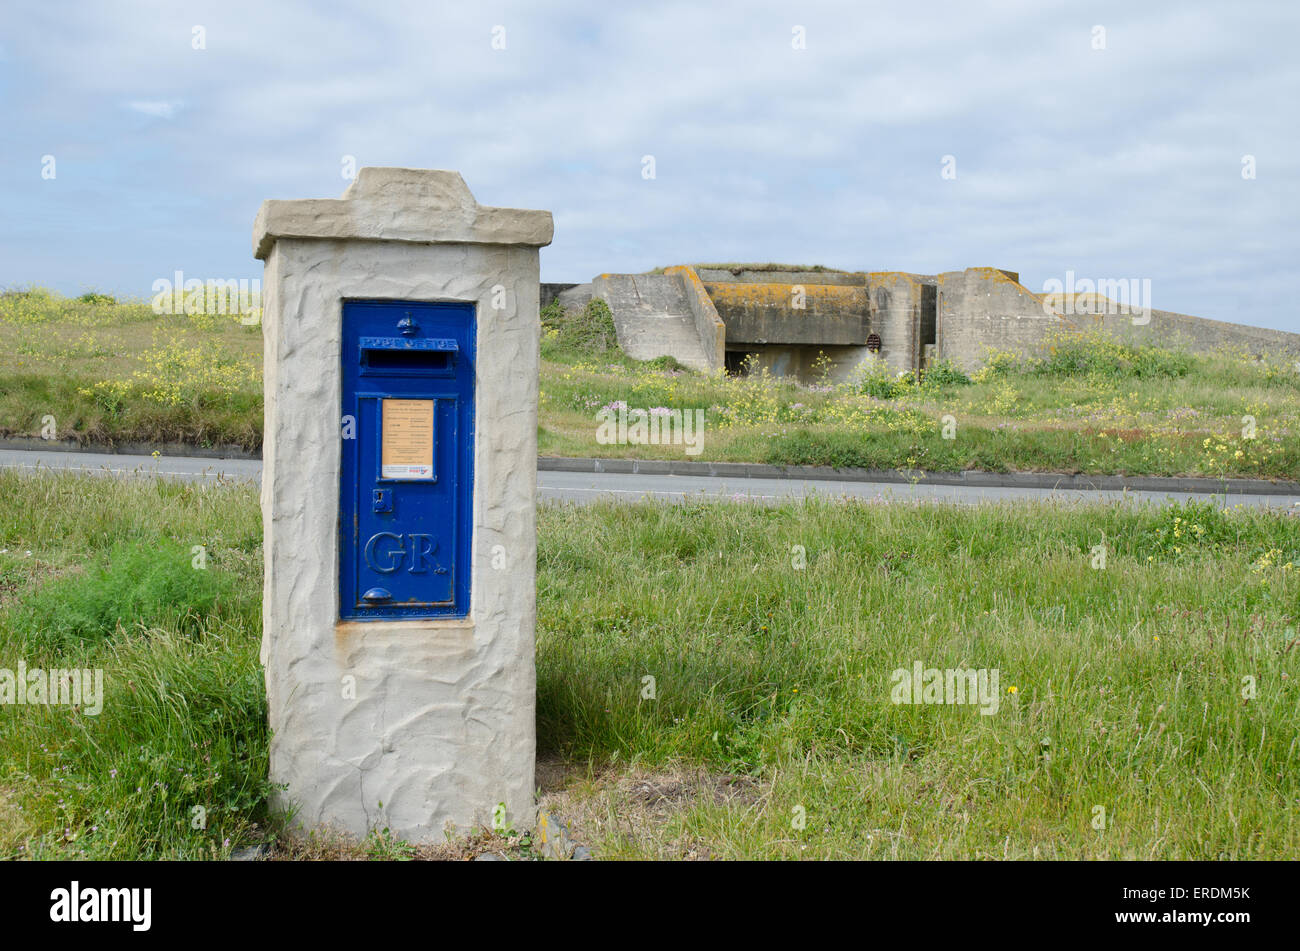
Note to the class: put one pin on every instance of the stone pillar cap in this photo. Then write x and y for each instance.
(421, 205)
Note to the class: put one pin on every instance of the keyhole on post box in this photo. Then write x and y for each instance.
(383, 500)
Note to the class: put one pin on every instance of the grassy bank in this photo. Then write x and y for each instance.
(104, 372)
(1086, 404)
(771, 635)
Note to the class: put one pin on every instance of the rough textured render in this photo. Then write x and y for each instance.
(442, 726)
(401, 204)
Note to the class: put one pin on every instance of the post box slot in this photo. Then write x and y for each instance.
(408, 355)
(408, 359)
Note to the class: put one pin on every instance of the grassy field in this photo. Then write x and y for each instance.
(1155, 695)
(105, 372)
(109, 372)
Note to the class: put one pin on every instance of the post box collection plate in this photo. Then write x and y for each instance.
(406, 480)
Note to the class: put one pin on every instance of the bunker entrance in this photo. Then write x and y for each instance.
(737, 362)
(927, 348)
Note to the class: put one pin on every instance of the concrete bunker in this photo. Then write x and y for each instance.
(818, 323)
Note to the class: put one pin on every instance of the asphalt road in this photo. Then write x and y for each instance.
(583, 487)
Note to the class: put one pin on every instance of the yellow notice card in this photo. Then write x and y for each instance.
(407, 439)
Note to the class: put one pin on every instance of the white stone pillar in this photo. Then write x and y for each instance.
(420, 723)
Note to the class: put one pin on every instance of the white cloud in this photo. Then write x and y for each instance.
(157, 109)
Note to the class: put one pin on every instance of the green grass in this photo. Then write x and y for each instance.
(1128, 679)
(111, 583)
(106, 372)
(588, 332)
(134, 583)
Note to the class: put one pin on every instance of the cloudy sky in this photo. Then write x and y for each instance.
(1120, 162)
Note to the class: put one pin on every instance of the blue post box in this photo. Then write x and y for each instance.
(406, 480)
(405, 313)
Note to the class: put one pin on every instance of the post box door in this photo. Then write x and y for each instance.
(406, 484)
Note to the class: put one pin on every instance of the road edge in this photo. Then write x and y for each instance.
(972, 477)
(754, 470)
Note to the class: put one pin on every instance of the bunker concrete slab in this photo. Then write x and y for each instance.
(772, 313)
(653, 317)
(576, 297)
(432, 718)
(710, 329)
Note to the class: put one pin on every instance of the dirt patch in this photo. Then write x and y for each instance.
(630, 811)
(341, 847)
